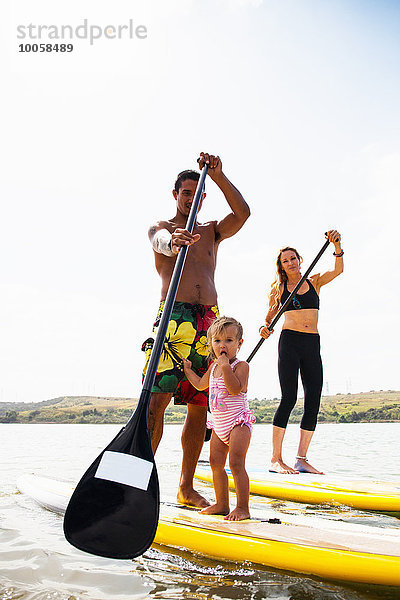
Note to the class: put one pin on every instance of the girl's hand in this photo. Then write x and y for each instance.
(186, 364)
(223, 360)
(265, 332)
(334, 237)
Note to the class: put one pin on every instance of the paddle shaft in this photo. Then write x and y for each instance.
(171, 295)
(114, 508)
(289, 299)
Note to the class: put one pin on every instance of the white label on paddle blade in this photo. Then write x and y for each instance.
(125, 468)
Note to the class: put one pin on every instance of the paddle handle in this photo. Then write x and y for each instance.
(289, 299)
(171, 295)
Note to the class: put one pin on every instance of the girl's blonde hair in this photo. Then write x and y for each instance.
(280, 276)
(217, 327)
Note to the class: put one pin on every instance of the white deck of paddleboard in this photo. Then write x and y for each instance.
(316, 532)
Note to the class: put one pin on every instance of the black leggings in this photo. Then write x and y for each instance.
(299, 351)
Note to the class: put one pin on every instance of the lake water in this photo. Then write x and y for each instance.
(36, 563)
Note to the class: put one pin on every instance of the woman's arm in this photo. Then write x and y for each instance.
(200, 383)
(323, 278)
(273, 307)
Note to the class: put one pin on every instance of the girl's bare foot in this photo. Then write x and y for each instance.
(215, 509)
(238, 514)
(278, 466)
(304, 466)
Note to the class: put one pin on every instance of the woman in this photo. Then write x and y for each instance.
(299, 350)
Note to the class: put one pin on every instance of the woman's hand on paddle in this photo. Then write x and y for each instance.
(334, 236)
(265, 332)
(214, 164)
(321, 279)
(182, 237)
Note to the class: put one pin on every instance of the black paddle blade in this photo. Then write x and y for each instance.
(114, 509)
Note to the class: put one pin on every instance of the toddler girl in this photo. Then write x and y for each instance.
(232, 420)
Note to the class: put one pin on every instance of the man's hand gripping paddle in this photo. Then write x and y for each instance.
(114, 509)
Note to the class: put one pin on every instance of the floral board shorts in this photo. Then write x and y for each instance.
(186, 337)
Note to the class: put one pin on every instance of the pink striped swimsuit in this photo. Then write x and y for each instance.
(227, 411)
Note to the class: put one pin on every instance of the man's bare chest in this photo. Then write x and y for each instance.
(205, 249)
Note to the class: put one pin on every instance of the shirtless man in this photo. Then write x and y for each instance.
(194, 310)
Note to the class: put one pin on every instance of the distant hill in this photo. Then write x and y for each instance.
(69, 409)
(342, 408)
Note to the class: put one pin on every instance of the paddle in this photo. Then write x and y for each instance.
(289, 299)
(114, 509)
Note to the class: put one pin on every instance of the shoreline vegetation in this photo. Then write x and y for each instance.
(365, 407)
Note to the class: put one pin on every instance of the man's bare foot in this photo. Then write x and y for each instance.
(238, 514)
(215, 509)
(191, 498)
(278, 466)
(304, 466)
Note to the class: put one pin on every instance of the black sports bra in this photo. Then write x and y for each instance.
(309, 299)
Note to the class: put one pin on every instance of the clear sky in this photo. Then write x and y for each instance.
(300, 98)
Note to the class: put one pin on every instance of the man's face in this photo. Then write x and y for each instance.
(184, 197)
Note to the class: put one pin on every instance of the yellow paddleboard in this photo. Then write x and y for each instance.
(319, 489)
(345, 552)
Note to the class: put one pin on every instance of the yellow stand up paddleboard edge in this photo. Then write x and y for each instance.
(320, 562)
(309, 494)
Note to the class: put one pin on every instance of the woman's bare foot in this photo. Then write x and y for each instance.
(278, 466)
(191, 498)
(215, 509)
(238, 514)
(304, 466)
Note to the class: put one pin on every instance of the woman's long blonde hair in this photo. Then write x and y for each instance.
(280, 276)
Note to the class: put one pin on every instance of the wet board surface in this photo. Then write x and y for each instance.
(330, 549)
(308, 535)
